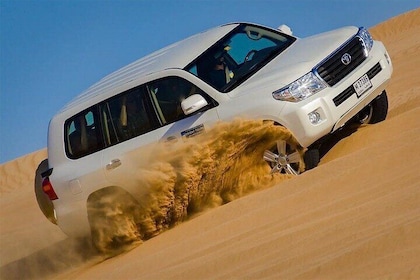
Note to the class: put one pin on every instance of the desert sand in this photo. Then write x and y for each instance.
(356, 216)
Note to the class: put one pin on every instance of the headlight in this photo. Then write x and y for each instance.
(366, 38)
(300, 89)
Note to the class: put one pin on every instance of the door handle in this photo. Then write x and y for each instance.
(113, 164)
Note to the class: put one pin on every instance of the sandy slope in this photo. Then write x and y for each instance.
(356, 216)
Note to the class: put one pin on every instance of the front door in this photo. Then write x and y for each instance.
(143, 120)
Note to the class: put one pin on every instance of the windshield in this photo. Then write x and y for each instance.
(238, 55)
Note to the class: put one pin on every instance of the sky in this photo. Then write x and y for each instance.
(52, 50)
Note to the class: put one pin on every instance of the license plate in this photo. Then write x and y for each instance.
(362, 85)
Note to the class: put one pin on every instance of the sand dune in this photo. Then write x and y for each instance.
(356, 216)
(19, 172)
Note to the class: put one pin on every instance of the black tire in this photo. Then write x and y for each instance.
(376, 111)
(311, 159)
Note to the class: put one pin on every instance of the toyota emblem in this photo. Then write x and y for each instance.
(346, 59)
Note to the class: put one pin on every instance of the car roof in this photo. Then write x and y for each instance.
(177, 55)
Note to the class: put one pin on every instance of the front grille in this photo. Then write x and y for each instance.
(332, 70)
(344, 95)
(374, 70)
(350, 90)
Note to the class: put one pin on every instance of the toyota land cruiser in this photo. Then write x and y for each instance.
(311, 86)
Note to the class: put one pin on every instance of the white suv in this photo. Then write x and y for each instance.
(311, 86)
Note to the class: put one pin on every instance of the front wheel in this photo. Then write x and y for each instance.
(376, 111)
(284, 158)
(311, 158)
(287, 158)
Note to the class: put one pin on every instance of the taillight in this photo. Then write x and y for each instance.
(48, 189)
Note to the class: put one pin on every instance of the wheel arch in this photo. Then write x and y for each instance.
(110, 213)
(116, 192)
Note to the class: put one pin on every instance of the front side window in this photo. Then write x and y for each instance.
(82, 134)
(167, 95)
(238, 56)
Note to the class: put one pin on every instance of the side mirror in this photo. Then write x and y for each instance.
(285, 29)
(193, 103)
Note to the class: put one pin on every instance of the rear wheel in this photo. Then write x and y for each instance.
(376, 111)
(111, 214)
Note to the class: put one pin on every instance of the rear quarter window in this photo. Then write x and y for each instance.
(82, 134)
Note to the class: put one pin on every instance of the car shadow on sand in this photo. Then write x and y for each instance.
(331, 140)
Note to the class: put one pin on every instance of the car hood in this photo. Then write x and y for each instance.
(296, 61)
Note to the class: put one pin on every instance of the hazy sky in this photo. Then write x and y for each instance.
(53, 50)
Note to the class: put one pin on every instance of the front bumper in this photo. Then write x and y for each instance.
(336, 105)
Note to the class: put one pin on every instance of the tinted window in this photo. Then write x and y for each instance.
(167, 95)
(82, 134)
(128, 115)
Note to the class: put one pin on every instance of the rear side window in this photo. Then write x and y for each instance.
(127, 115)
(82, 134)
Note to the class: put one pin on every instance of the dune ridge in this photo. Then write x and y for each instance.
(356, 216)
(20, 172)
(400, 36)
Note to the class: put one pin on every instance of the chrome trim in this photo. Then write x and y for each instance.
(334, 52)
(340, 48)
(346, 59)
